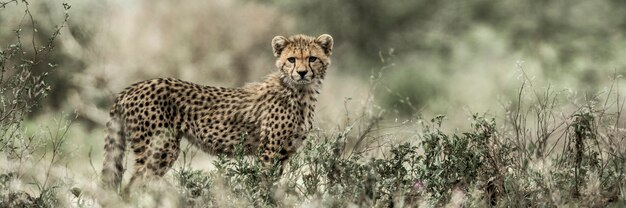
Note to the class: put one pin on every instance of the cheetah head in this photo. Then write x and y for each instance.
(302, 59)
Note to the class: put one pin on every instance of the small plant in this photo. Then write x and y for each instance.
(195, 187)
(457, 161)
(21, 90)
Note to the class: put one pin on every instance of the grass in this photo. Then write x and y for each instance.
(538, 154)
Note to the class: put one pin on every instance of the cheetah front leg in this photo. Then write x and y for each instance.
(269, 152)
(278, 145)
(272, 156)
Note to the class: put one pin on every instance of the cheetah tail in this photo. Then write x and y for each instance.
(114, 147)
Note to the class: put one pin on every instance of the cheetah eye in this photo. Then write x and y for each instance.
(291, 59)
(312, 59)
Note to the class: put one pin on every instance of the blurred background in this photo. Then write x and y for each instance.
(404, 59)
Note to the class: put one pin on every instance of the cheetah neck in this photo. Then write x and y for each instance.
(305, 96)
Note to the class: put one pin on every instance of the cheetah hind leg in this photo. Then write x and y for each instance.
(153, 158)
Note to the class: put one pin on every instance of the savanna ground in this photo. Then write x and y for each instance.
(427, 104)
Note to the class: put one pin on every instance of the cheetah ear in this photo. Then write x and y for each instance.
(278, 44)
(326, 41)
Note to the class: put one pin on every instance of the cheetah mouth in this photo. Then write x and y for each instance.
(297, 81)
(302, 81)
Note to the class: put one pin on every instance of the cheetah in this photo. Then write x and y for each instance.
(270, 119)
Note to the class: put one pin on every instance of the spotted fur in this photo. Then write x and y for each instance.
(269, 118)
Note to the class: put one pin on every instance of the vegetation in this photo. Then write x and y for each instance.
(406, 74)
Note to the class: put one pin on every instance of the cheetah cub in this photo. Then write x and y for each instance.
(269, 118)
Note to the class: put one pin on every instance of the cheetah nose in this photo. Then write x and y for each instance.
(302, 73)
